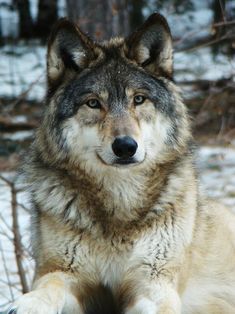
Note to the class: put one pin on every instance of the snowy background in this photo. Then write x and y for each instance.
(22, 76)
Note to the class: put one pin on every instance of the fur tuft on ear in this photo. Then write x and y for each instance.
(151, 46)
(68, 49)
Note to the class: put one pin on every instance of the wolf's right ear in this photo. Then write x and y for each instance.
(68, 48)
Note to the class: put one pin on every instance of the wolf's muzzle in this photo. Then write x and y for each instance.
(124, 147)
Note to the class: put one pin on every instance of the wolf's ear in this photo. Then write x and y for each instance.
(68, 48)
(151, 46)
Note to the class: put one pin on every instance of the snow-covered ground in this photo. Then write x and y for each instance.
(10, 286)
(23, 71)
(217, 173)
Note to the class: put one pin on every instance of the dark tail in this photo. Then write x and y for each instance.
(100, 300)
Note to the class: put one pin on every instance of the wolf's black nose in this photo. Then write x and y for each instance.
(124, 147)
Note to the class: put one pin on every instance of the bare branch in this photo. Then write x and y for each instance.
(224, 23)
(17, 241)
(6, 272)
(7, 125)
(5, 222)
(24, 207)
(6, 180)
(23, 95)
(205, 41)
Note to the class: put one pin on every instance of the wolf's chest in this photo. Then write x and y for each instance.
(110, 261)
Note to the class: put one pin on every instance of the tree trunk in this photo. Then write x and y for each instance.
(218, 8)
(26, 27)
(136, 13)
(47, 16)
(101, 19)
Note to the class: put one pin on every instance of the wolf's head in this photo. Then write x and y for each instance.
(112, 104)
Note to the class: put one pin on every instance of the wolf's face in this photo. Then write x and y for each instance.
(113, 103)
(116, 114)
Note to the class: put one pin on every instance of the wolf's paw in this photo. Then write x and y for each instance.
(35, 302)
(45, 302)
(142, 306)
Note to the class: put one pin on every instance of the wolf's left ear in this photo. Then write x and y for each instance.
(151, 46)
(68, 49)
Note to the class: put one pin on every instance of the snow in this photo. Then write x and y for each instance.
(201, 65)
(198, 17)
(23, 69)
(217, 167)
(9, 21)
(217, 174)
(194, 21)
(9, 279)
(18, 136)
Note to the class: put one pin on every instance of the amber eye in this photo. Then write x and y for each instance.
(93, 103)
(139, 100)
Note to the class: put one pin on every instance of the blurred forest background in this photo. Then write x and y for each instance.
(204, 43)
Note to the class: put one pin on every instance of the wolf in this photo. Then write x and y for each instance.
(119, 224)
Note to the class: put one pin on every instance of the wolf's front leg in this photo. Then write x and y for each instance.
(52, 294)
(156, 299)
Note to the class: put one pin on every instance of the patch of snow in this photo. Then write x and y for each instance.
(18, 136)
(193, 21)
(217, 168)
(201, 65)
(9, 20)
(33, 5)
(62, 8)
(9, 279)
(19, 118)
(23, 71)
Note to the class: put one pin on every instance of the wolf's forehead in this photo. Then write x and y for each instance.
(117, 78)
(115, 93)
(116, 90)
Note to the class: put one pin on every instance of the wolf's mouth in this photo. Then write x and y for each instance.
(120, 161)
(128, 161)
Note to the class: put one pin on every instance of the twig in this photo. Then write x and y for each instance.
(224, 23)
(3, 305)
(4, 234)
(24, 207)
(205, 43)
(222, 11)
(5, 222)
(25, 93)
(8, 182)
(16, 236)
(6, 272)
(17, 241)
(12, 284)
(9, 126)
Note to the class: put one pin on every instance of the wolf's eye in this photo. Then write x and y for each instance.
(139, 100)
(93, 103)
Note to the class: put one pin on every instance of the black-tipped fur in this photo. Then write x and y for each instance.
(101, 301)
